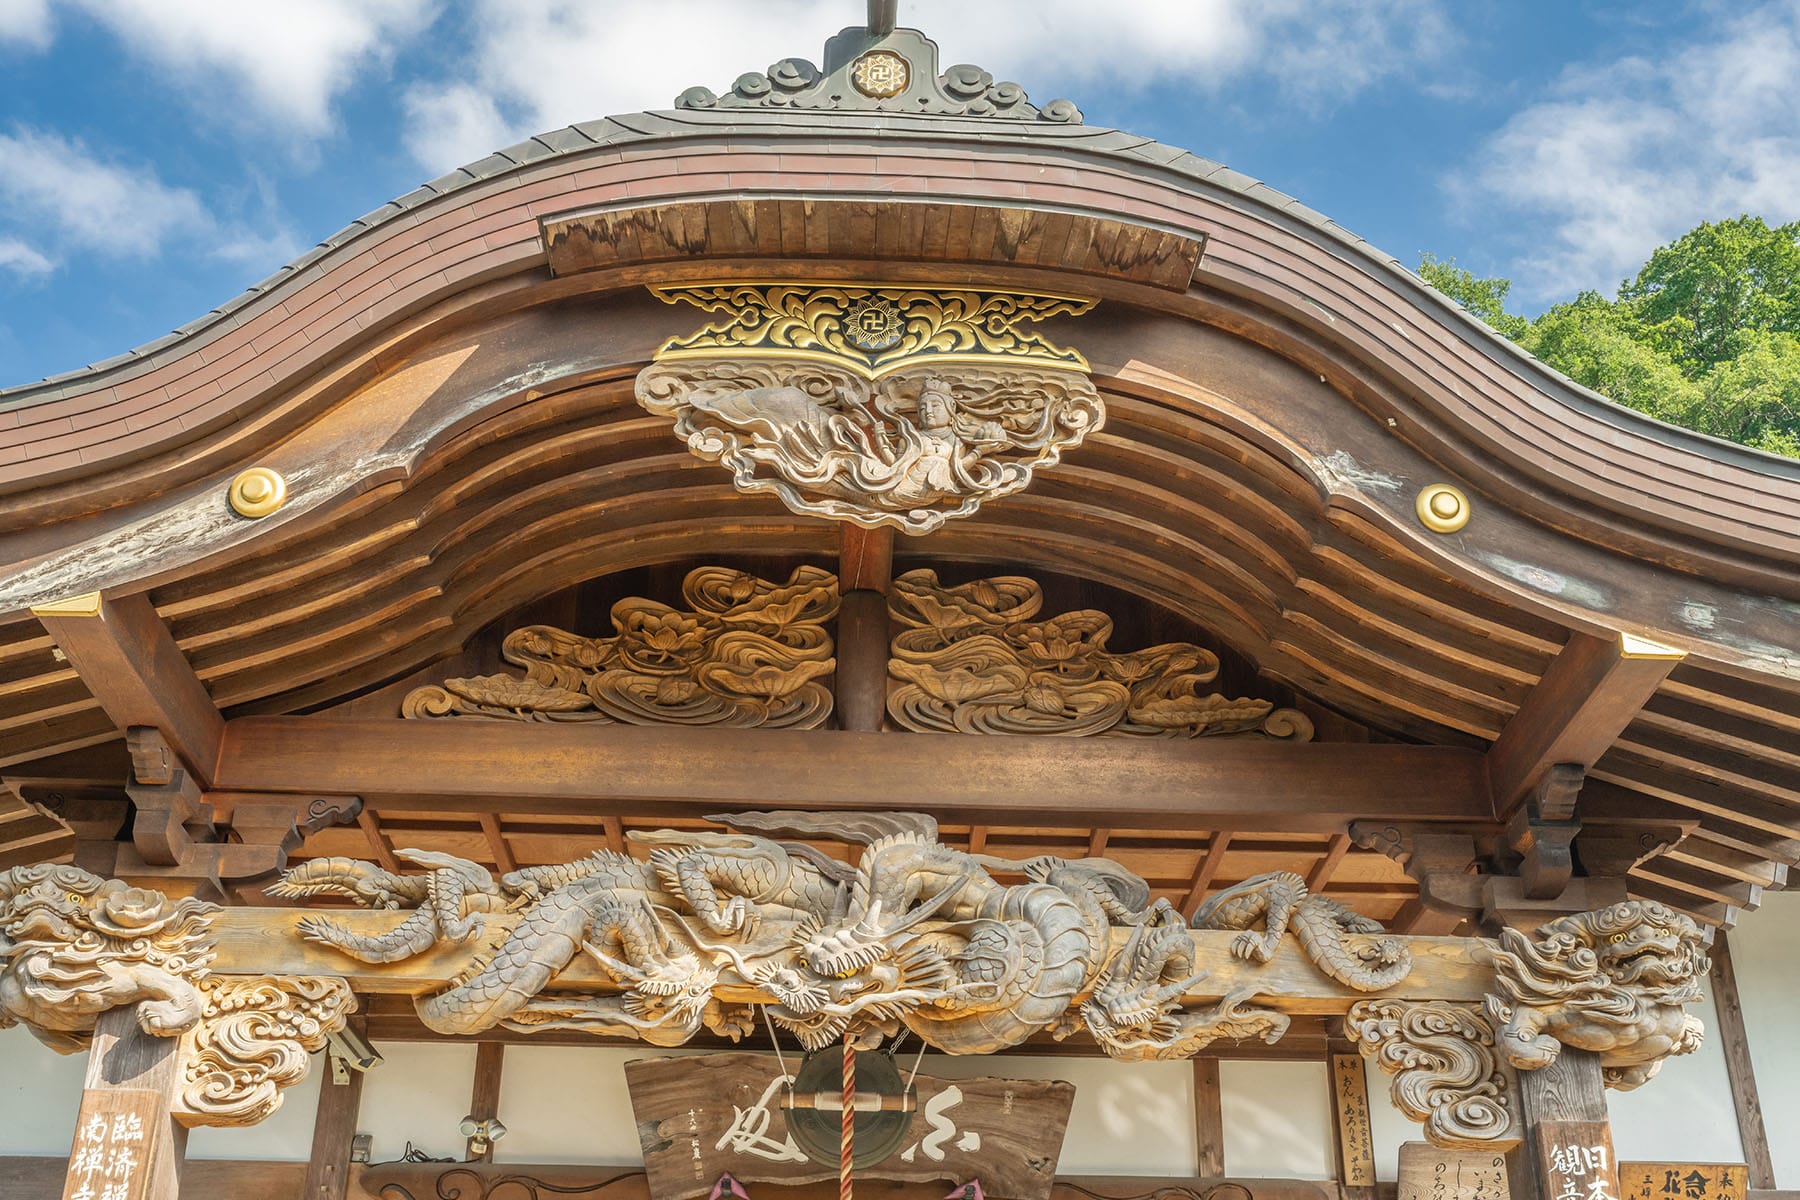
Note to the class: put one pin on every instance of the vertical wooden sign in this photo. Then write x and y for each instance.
(1684, 1181)
(114, 1139)
(1430, 1172)
(1575, 1161)
(1350, 1101)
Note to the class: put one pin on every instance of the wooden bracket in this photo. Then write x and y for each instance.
(1544, 829)
(130, 663)
(1584, 701)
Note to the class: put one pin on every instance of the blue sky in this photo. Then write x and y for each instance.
(157, 156)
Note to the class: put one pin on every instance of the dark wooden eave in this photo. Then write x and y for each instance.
(448, 391)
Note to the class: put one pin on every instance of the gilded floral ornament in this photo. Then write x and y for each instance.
(872, 330)
(745, 652)
(972, 659)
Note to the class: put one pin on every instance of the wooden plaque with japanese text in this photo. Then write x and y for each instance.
(1428, 1172)
(1683, 1181)
(1356, 1141)
(700, 1118)
(114, 1134)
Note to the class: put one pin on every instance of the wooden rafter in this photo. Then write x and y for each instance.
(378, 843)
(598, 770)
(1320, 876)
(503, 856)
(128, 660)
(1205, 873)
(1584, 701)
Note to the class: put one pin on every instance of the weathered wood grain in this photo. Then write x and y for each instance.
(1148, 783)
(265, 941)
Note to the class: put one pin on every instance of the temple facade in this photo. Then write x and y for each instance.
(863, 634)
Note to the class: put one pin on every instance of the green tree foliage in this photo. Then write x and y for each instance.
(1707, 335)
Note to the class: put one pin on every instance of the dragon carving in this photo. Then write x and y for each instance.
(1613, 981)
(970, 952)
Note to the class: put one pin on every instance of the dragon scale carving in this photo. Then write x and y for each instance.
(974, 659)
(916, 936)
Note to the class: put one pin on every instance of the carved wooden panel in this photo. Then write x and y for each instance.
(978, 658)
(744, 652)
(730, 1119)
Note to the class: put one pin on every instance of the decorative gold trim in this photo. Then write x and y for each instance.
(257, 492)
(872, 329)
(1632, 645)
(85, 605)
(1443, 508)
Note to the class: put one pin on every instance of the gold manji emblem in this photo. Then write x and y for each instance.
(880, 74)
(872, 324)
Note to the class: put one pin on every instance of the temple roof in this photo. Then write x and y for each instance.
(446, 385)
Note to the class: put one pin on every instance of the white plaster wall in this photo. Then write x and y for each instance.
(40, 1093)
(284, 1137)
(419, 1094)
(567, 1104)
(1685, 1114)
(1765, 952)
(1277, 1119)
(1388, 1126)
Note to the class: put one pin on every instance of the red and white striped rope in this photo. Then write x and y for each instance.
(847, 1134)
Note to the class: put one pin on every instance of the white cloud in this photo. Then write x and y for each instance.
(1627, 155)
(22, 259)
(57, 184)
(542, 64)
(56, 190)
(26, 21)
(287, 60)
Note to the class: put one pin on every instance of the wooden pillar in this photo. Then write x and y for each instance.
(1568, 1142)
(334, 1129)
(484, 1097)
(1728, 1013)
(126, 1143)
(865, 568)
(1209, 1120)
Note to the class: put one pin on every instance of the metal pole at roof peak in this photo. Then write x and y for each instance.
(882, 15)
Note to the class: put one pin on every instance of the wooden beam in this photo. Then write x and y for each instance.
(1728, 1010)
(267, 941)
(1584, 701)
(860, 687)
(125, 1137)
(1205, 873)
(1209, 1120)
(484, 1096)
(462, 765)
(378, 845)
(1320, 876)
(496, 839)
(1097, 842)
(127, 659)
(1567, 1140)
(865, 558)
(334, 1129)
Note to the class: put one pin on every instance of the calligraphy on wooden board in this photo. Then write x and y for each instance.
(1683, 1181)
(729, 1118)
(1430, 1172)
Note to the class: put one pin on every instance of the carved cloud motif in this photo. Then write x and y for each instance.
(911, 450)
(972, 659)
(745, 652)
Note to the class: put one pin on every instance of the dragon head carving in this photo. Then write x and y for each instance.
(73, 945)
(1612, 981)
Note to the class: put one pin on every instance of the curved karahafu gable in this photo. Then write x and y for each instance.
(446, 389)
